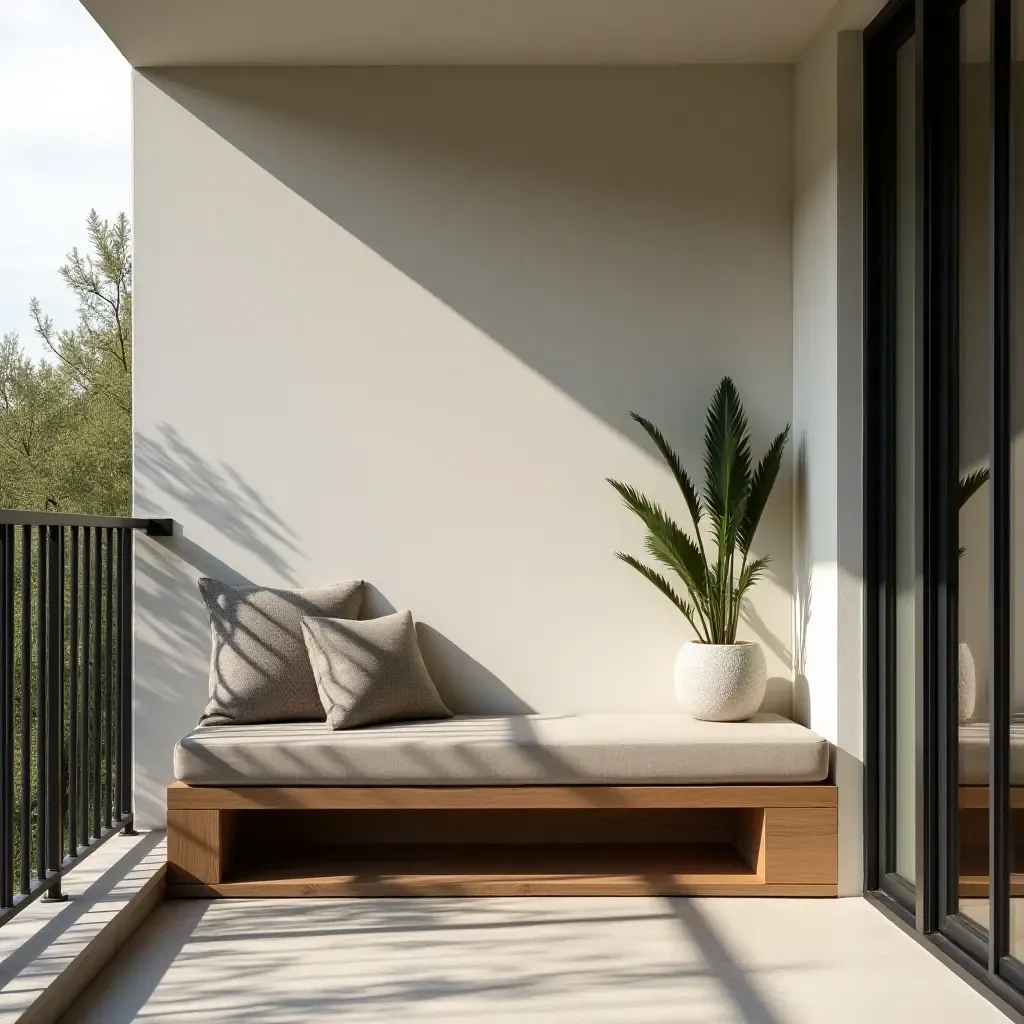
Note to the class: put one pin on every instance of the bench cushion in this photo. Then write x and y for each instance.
(974, 755)
(517, 750)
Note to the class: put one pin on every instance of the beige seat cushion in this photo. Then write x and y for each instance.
(974, 765)
(506, 751)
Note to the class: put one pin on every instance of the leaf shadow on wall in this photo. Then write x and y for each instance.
(596, 225)
(166, 467)
(173, 643)
(172, 640)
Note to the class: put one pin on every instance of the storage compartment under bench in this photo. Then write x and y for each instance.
(777, 840)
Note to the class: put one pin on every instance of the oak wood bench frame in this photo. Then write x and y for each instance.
(779, 840)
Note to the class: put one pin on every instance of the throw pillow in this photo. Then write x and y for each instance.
(371, 671)
(259, 669)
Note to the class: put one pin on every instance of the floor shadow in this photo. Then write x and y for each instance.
(77, 906)
(433, 959)
(735, 981)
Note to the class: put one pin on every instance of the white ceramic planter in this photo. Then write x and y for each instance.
(967, 685)
(720, 682)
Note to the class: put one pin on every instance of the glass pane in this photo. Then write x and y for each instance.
(1017, 491)
(975, 390)
(907, 654)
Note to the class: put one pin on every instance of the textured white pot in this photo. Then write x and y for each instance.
(967, 685)
(721, 682)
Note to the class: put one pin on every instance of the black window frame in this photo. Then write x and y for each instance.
(928, 908)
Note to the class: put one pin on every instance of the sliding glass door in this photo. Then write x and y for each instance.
(944, 458)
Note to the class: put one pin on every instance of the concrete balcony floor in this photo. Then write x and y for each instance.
(531, 960)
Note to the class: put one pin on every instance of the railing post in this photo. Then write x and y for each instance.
(97, 697)
(51, 796)
(122, 743)
(73, 702)
(26, 711)
(108, 678)
(42, 716)
(126, 636)
(85, 747)
(6, 716)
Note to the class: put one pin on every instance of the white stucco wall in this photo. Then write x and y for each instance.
(827, 413)
(390, 323)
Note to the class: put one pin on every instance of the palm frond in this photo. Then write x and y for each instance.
(664, 586)
(970, 485)
(751, 573)
(675, 464)
(733, 498)
(661, 526)
(680, 555)
(761, 483)
(726, 464)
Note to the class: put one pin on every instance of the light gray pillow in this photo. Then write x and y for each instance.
(371, 671)
(259, 669)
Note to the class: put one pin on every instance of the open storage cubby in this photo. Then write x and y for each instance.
(589, 840)
(973, 841)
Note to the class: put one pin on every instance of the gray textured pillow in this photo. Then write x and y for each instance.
(259, 669)
(371, 672)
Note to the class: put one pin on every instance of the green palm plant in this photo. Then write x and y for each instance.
(734, 496)
(969, 486)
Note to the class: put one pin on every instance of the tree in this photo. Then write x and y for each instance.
(65, 445)
(65, 423)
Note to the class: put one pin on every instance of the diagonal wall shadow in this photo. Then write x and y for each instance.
(597, 225)
(620, 204)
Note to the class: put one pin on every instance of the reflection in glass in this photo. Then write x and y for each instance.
(1017, 489)
(907, 654)
(973, 497)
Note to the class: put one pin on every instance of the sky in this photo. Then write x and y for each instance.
(65, 147)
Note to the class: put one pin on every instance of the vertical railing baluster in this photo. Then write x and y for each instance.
(9, 670)
(66, 695)
(118, 678)
(108, 678)
(25, 856)
(62, 789)
(127, 670)
(97, 696)
(73, 700)
(42, 640)
(6, 720)
(50, 798)
(55, 730)
(84, 747)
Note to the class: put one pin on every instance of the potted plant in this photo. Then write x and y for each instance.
(717, 677)
(967, 685)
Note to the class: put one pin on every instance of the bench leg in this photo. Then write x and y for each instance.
(198, 845)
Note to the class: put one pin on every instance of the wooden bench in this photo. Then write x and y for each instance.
(701, 840)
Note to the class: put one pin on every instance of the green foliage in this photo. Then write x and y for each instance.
(970, 485)
(65, 422)
(966, 489)
(65, 445)
(733, 499)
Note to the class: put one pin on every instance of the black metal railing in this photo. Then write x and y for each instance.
(65, 693)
